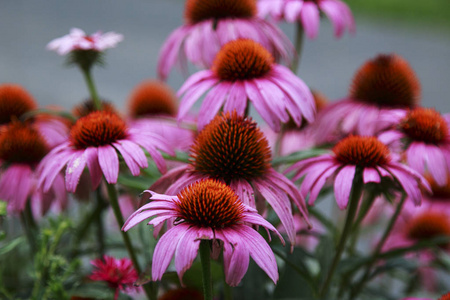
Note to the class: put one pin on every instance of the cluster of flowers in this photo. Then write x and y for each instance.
(379, 143)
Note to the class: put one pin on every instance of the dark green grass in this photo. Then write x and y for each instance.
(431, 12)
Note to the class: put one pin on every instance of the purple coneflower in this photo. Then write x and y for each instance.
(232, 149)
(245, 71)
(308, 13)
(213, 23)
(94, 141)
(22, 147)
(367, 153)
(207, 210)
(78, 40)
(425, 139)
(382, 88)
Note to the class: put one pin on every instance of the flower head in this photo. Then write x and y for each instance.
(423, 135)
(152, 97)
(245, 71)
(78, 40)
(119, 274)
(93, 142)
(367, 153)
(22, 147)
(14, 102)
(88, 106)
(307, 12)
(210, 25)
(233, 150)
(206, 210)
(382, 89)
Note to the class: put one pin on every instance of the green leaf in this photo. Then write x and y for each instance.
(11, 245)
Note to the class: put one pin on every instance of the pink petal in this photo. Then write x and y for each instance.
(310, 19)
(109, 163)
(437, 164)
(74, 169)
(165, 248)
(260, 251)
(236, 258)
(212, 103)
(371, 175)
(194, 94)
(95, 171)
(237, 99)
(186, 251)
(256, 98)
(343, 185)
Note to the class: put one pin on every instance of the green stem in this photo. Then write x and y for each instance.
(298, 47)
(91, 86)
(126, 239)
(379, 247)
(100, 227)
(357, 188)
(205, 256)
(30, 227)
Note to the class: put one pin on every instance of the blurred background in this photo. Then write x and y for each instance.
(417, 30)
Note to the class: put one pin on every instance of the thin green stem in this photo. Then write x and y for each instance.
(126, 239)
(100, 227)
(298, 47)
(357, 188)
(205, 257)
(91, 86)
(30, 227)
(377, 251)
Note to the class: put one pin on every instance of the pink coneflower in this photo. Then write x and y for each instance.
(425, 140)
(382, 88)
(119, 274)
(307, 12)
(213, 23)
(233, 149)
(153, 106)
(245, 71)
(367, 153)
(22, 147)
(94, 141)
(207, 210)
(16, 102)
(78, 40)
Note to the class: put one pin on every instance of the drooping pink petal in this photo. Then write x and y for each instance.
(74, 169)
(186, 251)
(260, 251)
(292, 11)
(310, 19)
(109, 163)
(212, 103)
(436, 164)
(371, 175)
(237, 98)
(343, 185)
(131, 163)
(256, 98)
(236, 257)
(244, 191)
(165, 249)
(95, 171)
(193, 94)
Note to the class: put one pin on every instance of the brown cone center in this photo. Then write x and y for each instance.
(241, 60)
(210, 203)
(231, 147)
(425, 124)
(387, 81)
(362, 151)
(201, 10)
(97, 129)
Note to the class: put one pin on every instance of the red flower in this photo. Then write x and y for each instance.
(118, 273)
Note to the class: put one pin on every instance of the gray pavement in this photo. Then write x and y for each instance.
(327, 64)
